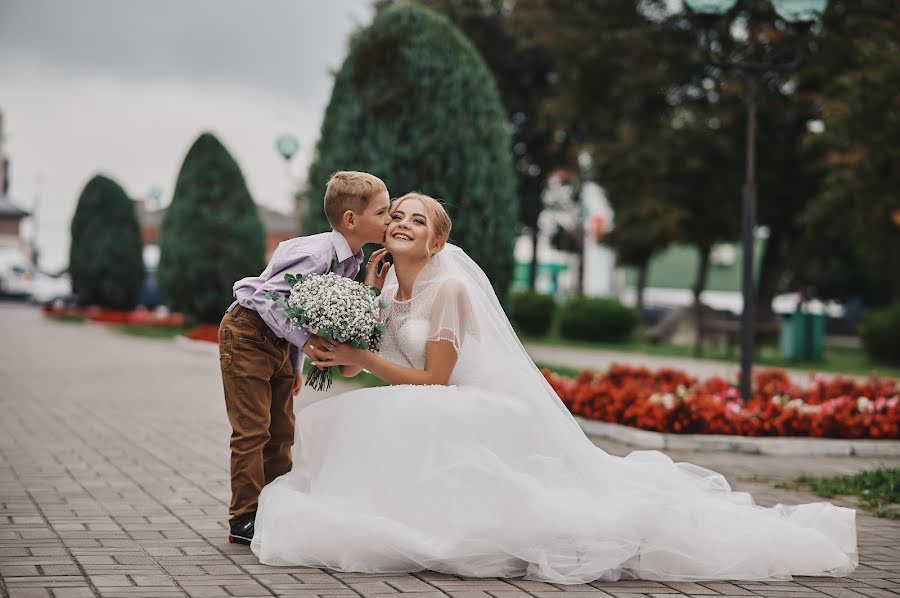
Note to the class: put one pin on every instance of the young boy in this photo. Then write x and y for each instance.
(261, 355)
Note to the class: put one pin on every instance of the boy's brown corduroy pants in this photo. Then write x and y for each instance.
(257, 376)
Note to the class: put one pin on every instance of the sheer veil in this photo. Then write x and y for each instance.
(456, 297)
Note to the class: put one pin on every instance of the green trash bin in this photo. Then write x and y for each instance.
(815, 336)
(802, 336)
(790, 338)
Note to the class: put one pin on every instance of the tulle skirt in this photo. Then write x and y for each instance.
(468, 482)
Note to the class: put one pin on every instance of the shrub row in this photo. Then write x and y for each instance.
(582, 318)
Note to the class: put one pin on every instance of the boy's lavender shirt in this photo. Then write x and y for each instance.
(303, 255)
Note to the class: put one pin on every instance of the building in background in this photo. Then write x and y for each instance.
(279, 226)
(11, 216)
(16, 255)
(585, 219)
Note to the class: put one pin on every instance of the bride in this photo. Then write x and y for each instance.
(469, 464)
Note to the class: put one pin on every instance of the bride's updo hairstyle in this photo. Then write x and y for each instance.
(439, 223)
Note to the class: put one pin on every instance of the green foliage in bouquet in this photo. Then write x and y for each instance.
(211, 235)
(415, 104)
(105, 256)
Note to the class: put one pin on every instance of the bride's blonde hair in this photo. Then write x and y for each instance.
(439, 223)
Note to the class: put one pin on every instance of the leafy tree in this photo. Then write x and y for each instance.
(415, 104)
(525, 74)
(211, 235)
(703, 171)
(854, 227)
(643, 228)
(105, 256)
(664, 127)
(617, 62)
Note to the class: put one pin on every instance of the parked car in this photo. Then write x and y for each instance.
(47, 289)
(16, 273)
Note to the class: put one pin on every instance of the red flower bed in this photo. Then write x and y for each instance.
(92, 313)
(145, 317)
(106, 316)
(672, 401)
(63, 312)
(204, 332)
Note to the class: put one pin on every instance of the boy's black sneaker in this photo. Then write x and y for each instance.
(242, 530)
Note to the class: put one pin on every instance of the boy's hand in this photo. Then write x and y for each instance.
(317, 348)
(298, 382)
(375, 275)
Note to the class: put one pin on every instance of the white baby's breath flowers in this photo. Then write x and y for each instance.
(335, 308)
(344, 307)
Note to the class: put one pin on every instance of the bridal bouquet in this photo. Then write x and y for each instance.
(336, 308)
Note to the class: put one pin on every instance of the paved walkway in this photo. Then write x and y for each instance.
(114, 482)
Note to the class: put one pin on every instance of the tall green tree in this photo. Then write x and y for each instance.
(526, 75)
(105, 256)
(415, 104)
(211, 235)
(788, 172)
(701, 166)
(616, 63)
(705, 180)
(664, 123)
(642, 229)
(854, 226)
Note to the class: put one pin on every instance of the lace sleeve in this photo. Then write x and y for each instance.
(451, 318)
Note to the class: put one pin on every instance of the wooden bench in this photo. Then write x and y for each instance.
(731, 329)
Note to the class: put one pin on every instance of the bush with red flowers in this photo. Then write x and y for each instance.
(669, 400)
(204, 332)
(138, 317)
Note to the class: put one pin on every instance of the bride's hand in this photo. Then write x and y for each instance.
(339, 354)
(375, 275)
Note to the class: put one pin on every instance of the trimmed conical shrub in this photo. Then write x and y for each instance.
(211, 235)
(106, 253)
(415, 105)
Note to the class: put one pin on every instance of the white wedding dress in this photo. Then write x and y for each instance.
(492, 477)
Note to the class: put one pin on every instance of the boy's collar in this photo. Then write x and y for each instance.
(342, 248)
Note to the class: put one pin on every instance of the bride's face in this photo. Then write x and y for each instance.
(408, 232)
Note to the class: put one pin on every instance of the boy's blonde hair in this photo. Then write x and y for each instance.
(439, 223)
(350, 190)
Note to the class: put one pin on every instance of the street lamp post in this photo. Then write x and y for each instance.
(287, 146)
(800, 14)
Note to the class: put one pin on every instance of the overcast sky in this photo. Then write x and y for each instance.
(124, 87)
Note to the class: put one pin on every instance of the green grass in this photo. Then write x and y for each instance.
(836, 359)
(559, 370)
(71, 319)
(159, 332)
(878, 489)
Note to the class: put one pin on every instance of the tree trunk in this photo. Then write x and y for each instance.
(642, 271)
(580, 283)
(699, 286)
(772, 266)
(533, 266)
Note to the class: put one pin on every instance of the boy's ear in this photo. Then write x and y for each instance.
(348, 219)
